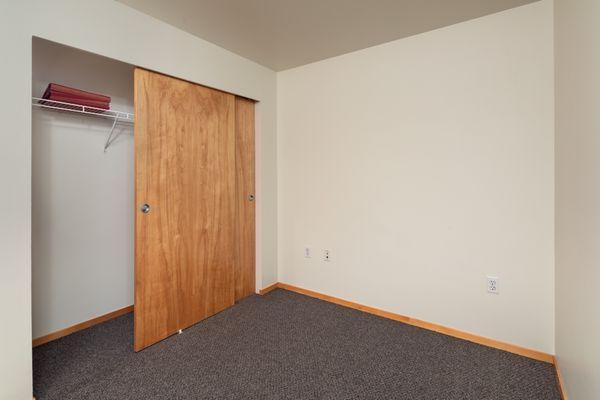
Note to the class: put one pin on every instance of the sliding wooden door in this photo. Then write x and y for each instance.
(186, 198)
(245, 262)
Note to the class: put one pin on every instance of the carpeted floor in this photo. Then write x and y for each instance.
(285, 346)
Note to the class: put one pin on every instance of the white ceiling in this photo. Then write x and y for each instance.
(282, 34)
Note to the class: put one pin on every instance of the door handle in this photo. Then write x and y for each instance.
(145, 208)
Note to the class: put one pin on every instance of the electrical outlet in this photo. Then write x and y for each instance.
(326, 255)
(492, 285)
(307, 252)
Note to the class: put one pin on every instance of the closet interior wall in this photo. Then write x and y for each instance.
(82, 197)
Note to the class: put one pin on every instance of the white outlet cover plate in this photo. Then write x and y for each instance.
(493, 284)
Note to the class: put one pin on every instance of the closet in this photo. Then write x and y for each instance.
(193, 212)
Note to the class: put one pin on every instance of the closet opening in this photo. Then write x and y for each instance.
(82, 196)
(99, 187)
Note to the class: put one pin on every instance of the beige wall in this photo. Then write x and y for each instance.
(577, 46)
(111, 29)
(424, 165)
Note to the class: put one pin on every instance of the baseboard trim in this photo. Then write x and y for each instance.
(83, 325)
(561, 382)
(269, 288)
(511, 348)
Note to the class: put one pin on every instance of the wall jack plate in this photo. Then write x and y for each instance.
(307, 252)
(326, 255)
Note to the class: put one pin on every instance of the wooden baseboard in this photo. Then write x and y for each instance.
(561, 382)
(534, 354)
(83, 325)
(269, 288)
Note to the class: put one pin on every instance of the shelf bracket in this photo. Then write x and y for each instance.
(112, 130)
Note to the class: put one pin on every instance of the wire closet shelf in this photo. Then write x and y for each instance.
(114, 115)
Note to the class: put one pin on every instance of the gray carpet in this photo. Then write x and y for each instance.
(285, 346)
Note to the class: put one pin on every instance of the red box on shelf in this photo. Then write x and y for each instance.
(55, 92)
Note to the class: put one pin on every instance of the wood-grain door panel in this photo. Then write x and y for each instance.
(185, 171)
(245, 262)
